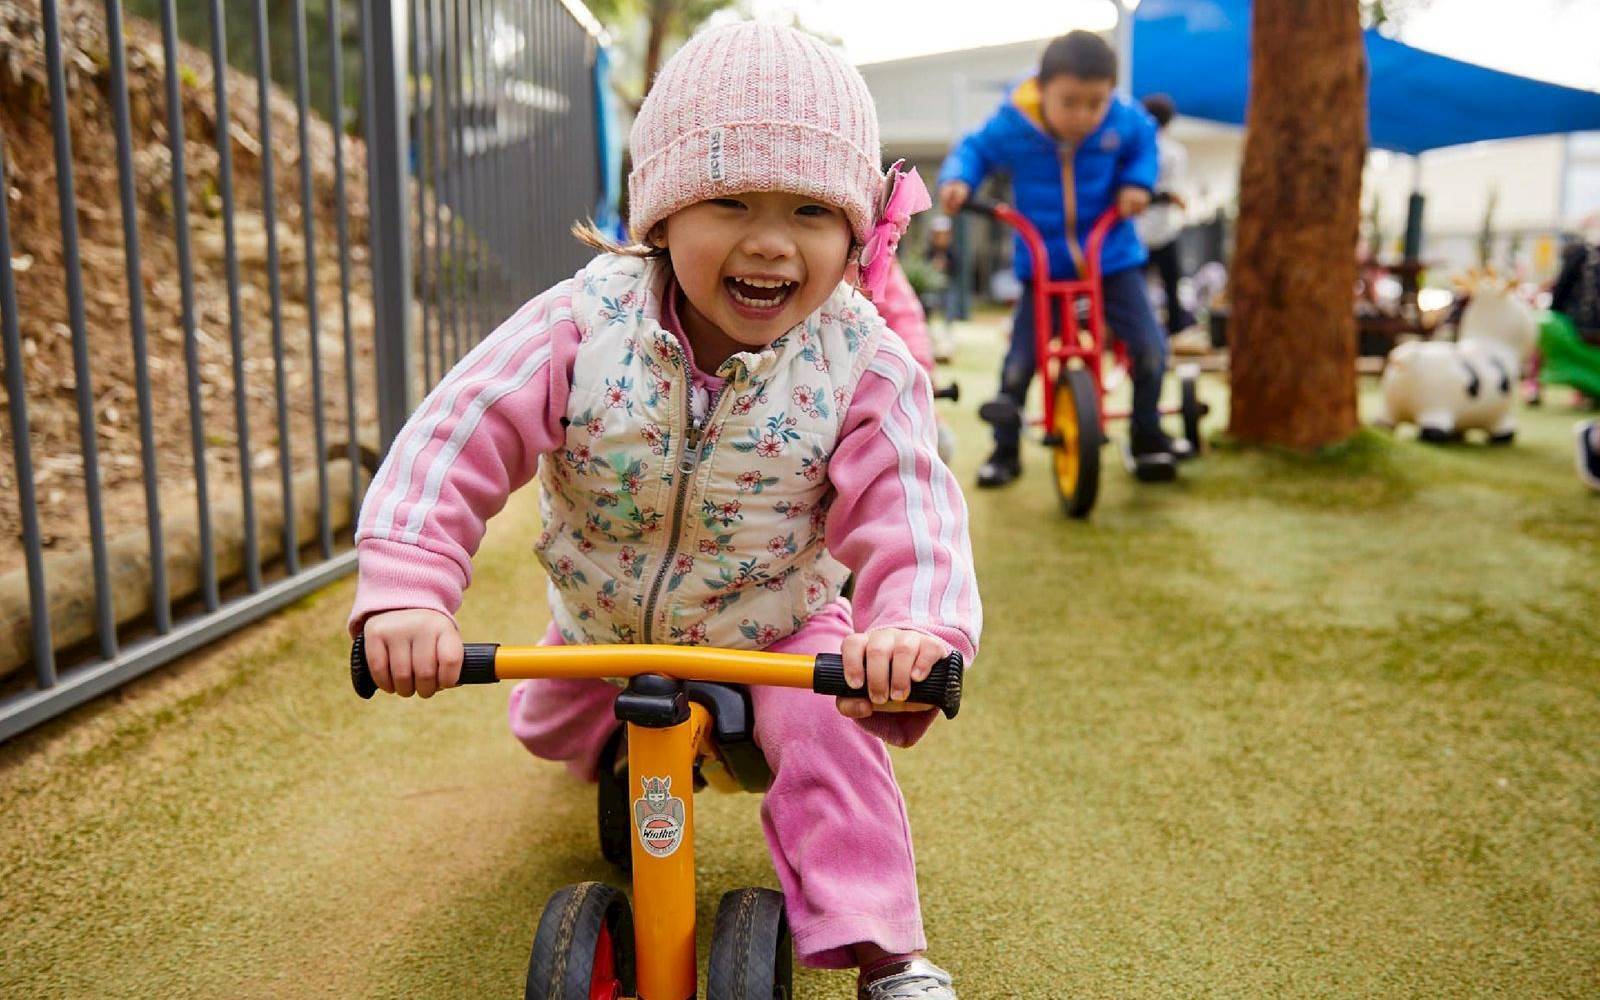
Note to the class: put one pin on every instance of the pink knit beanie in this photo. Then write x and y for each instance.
(755, 107)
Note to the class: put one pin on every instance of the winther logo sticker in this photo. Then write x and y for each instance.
(658, 816)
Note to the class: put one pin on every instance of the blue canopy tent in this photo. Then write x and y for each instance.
(1198, 51)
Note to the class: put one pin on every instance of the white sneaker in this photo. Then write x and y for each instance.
(917, 979)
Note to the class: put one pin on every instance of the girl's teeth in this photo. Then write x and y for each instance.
(761, 302)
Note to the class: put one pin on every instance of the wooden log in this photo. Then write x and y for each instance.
(69, 576)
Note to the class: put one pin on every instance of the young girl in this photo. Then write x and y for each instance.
(722, 431)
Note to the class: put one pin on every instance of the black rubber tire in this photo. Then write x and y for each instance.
(562, 961)
(1085, 410)
(612, 816)
(1193, 411)
(752, 957)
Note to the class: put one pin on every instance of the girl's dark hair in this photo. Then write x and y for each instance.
(1161, 109)
(590, 236)
(1082, 54)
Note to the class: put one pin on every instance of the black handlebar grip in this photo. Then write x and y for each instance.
(941, 688)
(477, 665)
(360, 674)
(952, 392)
(979, 206)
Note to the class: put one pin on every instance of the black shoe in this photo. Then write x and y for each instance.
(1150, 457)
(1147, 444)
(1001, 413)
(1001, 467)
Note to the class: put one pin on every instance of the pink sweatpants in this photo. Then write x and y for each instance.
(834, 818)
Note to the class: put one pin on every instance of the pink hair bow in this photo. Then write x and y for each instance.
(907, 196)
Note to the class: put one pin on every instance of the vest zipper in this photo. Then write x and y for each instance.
(688, 462)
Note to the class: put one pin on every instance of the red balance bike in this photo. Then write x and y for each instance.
(1071, 363)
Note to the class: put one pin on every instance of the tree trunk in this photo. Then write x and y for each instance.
(661, 12)
(1292, 328)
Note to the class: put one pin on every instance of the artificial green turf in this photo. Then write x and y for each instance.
(1289, 727)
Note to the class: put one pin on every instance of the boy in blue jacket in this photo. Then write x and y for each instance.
(1073, 149)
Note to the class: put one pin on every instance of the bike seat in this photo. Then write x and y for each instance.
(733, 728)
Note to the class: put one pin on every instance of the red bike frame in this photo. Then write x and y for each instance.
(1086, 344)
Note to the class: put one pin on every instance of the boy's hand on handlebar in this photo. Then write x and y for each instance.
(887, 661)
(952, 195)
(415, 650)
(1131, 201)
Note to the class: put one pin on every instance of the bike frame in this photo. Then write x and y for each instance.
(663, 886)
(1072, 341)
(665, 754)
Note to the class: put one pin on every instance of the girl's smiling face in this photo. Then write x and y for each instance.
(753, 265)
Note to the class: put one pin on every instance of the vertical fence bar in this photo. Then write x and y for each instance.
(539, 147)
(230, 238)
(342, 217)
(105, 614)
(452, 110)
(502, 192)
(44, 659)
(160, 604)
(269, 219)
(437, 96)
(569, 118)
(487, 153)
(191, 357)
(418, 155)
(487, 206)
(553, 122)
(302, 87)
(472, 205)
(525, 154)
(384, 43)
(523, 174)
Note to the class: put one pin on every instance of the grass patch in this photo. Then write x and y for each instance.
(1300, 726)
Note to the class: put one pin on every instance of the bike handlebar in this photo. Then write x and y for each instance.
(482, 662)
(1034, 240)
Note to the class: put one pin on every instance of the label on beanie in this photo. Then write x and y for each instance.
(714, 154)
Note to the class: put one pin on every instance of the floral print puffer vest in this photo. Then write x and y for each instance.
(659, 530)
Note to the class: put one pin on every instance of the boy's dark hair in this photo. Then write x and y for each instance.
(1082, 54)
(1161, 109)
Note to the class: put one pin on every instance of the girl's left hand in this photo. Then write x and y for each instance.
(887, 661)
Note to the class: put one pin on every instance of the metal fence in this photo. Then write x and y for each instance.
(481, 146)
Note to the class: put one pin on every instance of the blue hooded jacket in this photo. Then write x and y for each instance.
(1120, 152)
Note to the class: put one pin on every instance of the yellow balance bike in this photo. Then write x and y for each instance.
(687, 723)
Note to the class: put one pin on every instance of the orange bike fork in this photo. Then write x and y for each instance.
(661, 808)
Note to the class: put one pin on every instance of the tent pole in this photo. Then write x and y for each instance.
(1124, 46)
(1413, 243)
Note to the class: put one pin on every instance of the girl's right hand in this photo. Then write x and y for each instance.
(413, 650)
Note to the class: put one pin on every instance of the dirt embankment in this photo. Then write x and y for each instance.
(43, 316)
